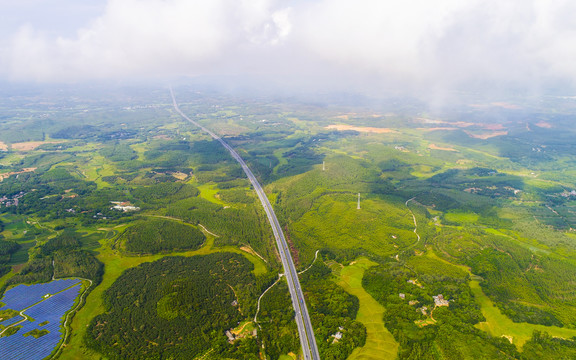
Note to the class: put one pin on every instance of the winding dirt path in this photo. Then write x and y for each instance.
(313, 261)
(415, 223)
(260, 298)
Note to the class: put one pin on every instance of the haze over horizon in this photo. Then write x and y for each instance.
(413, 46)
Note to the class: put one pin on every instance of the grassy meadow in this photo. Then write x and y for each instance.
(380, 344)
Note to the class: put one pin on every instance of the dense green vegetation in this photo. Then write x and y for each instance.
(67, 240)
(119, 152)
(164, 193)
(160, 235)
(333, 312)
(36, 270)
(527, 287)
(545, 347)
(234, 225)
(426, 331)
(176, 307)
(279, 332)
(37, 333)
(12, 330)
(7, 248)
(60, 257)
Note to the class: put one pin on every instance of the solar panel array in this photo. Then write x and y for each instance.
(23, 296)
(51, 310)
(11, 321)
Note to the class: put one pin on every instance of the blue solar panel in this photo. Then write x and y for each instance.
(11, 321)
(52, 310)
(22, 296)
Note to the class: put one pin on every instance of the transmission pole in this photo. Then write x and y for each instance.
(358, 207)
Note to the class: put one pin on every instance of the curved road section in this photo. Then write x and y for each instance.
(305, 330)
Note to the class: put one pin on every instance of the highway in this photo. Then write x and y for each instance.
(305, 330)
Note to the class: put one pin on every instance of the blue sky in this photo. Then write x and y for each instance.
(54, 17)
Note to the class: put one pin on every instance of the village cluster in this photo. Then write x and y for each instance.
(12, 200)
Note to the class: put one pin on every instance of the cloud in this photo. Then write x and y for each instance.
(443, 43)
(148, 38)
(413, 44)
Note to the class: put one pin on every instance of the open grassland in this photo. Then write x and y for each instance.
(461, 217)
(432, 255)
(96, 168)
(140, 149)
(432, 264)
(380, 344)
(11, 158)
(209, 192)
(423, 171)
(377, 227)
(281, 160)
(84, 148)
(497, 324)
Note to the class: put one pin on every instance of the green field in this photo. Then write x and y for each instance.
(210, 193)
(378, 227)
(380, 344)
(497, 324)
(461, 217)
(97, 167)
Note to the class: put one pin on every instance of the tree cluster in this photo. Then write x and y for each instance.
(176, 307)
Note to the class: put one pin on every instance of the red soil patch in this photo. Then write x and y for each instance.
(544, 124)
(361, 129)
(434, 147)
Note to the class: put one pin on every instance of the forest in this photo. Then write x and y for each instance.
(334, 311)
(154, 235)
(427, 331)
(7, 248)
(176, 307)
(60, 257)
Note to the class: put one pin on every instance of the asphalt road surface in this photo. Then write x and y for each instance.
(305, 331)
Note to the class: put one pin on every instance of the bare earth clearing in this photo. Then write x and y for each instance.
(361, 129)
(544, 124)
(486, 135)
(435, 147)
(500, 104)
(7, 175)
(27, 146)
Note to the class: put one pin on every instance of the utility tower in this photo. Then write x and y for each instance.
(358, 207)
(323, 165)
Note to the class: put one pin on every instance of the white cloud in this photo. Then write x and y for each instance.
(409, 44)
(147, 38)
(443, 43)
